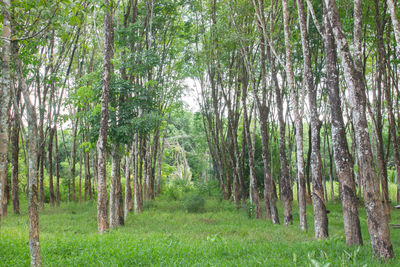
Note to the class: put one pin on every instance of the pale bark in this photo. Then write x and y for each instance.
(320, 215)
(57, 159)
(378, 227)
(301, 194)
(4, 106)
(102, 201)
(343, 160)
(395, 22)
(32, 147)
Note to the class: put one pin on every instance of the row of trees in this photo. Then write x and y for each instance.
(58, 56)
(269, 65)
(255, 63)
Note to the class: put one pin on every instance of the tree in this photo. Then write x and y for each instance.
(377, 222)
(4, 106)
(298, 121)
(320, 215)
(102, 201)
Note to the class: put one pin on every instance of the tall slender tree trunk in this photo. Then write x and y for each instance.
(73, 160)
(378, 227)
(159, 164)
(128, 189)
(135, 154)
(102, 201)
(50, 151)
(32, 143)
(301, 194)
(320, 215)
(57, 158)
(254, 198)
(4, 106)
(263, 108)
(381, 81)
(15, 154)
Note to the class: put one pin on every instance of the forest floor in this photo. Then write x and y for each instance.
(166, 235)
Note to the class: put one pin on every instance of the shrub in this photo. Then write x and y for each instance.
(194, 203)
(209, 189)
(172, 193)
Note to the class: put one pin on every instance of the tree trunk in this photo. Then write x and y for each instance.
(263, 109)
(116, 204)
(58, 196)
(15, 156)
(395, 22)
(4, 104)
(102, 201)
(135, 161)
(378, 227)
(50, 151)
(320, 215)
(381, 81)
(32, 147)
(73, 160)
(159, 164)
(254, 198)
(301, 194)
(128, 190)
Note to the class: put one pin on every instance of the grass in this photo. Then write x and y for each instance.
(165, 235)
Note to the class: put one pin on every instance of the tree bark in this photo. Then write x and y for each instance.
(377, 222)
(57, 158)
(32, 147)
(320, 215)
(395, 22)
(263, 108)
(128, 189)
(254, 198)
(301, 194)
(4, 104)
(102, 201)
(15, 153)
(50, 151)
(116, 204)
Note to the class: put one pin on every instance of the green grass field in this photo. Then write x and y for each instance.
(165, 235)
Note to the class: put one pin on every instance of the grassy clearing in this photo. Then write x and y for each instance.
(165, 235)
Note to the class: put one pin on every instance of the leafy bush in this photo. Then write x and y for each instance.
(194, 203)
(209, 189)
(177, 189)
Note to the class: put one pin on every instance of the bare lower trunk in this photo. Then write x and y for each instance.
(320, 215)
(14, 162)
(50, 148)
(116, 204)
(58, 196)
(128, 190)
(254, 198)
(159, 164)
(135, 155)
(102, 201)
(4, 106)
(32, 147)
(378, 227)
(301, 194)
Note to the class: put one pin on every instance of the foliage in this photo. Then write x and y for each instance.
(193, 203)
